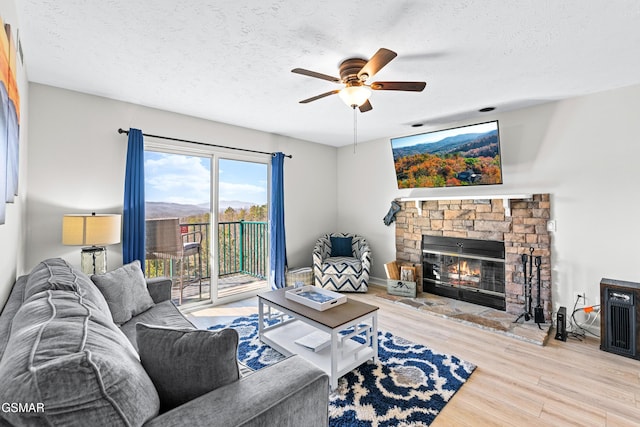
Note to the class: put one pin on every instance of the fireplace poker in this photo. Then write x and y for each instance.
(538, 313)
(526, 313)
(530, 299)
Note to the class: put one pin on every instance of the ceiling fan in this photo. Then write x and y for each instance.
(354, 72)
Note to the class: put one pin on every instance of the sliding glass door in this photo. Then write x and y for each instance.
(242, 227)
(211, 251)
(178, 218)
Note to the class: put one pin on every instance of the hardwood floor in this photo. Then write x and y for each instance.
(517, 383)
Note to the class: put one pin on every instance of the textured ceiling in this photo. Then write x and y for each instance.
(231, 61)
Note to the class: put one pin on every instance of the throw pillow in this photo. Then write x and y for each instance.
(57, 274)
(186, 363)
(125, 290)
(341, 246)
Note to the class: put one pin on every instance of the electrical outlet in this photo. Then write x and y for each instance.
(551, 225)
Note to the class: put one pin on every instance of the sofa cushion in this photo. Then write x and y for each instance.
(186, 363)
(342, 265)
(58, 274)
(125, 290)
(67, 354)
(162, 314)
(341, 246)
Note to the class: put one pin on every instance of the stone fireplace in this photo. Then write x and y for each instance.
(517, 223)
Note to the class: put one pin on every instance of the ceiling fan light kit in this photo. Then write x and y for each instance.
(355, 96)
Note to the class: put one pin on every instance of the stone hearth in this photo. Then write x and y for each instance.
(475, 315)
(485, 219)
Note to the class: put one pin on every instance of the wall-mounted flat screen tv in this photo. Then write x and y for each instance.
(462, 156)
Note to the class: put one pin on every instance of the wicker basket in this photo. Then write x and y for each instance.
(303, 275)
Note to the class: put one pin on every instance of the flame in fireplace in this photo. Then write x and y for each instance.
(464, 269)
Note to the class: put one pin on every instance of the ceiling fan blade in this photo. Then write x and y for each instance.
(381, 58)
(315, 74)
(313, 98)
(407, 86)
(365, 107)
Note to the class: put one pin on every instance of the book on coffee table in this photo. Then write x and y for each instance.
(315, 341)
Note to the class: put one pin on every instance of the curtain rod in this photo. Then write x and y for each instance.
(204, 143)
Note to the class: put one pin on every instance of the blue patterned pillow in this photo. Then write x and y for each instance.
(341, 246)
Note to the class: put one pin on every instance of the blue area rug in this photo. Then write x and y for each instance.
(408, 386)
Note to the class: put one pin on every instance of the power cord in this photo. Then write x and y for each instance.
(580, 330)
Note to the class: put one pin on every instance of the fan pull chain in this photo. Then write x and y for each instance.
(355, 129)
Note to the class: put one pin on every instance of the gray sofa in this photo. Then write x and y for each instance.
(64, 361)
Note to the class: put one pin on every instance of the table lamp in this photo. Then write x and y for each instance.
(95, 230)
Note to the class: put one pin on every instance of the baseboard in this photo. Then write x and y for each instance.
(377, 281)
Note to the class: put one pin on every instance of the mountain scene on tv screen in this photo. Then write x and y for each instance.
(465, 159)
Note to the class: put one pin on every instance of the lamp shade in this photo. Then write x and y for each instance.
(355, 95)
(91, 229)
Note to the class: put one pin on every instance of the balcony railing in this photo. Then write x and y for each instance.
(242, 248)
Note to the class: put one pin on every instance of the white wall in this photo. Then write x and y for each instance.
(13, 231)
(77, 164)
(584, 151)
(365, 192)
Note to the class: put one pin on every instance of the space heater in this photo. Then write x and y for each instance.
(619, 317)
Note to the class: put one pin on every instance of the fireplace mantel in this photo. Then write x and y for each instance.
(506, 199)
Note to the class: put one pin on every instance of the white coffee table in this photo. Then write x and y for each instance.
(294, 321)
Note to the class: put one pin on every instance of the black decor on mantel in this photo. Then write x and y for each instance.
(391, 215)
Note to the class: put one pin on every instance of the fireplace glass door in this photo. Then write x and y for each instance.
(465, 272)
(465, 269)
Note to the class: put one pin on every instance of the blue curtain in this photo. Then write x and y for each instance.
(133, 229)
(277, 240)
